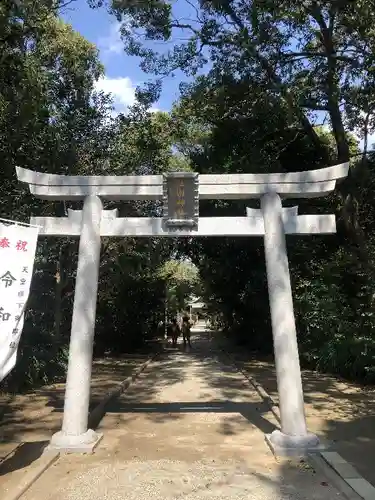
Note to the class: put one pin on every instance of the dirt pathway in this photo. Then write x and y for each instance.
(190, 427)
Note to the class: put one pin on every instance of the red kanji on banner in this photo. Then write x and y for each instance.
(21, 245)
(4, 243)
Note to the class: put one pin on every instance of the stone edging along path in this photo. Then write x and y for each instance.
(335, 461)
(99, 411)
(50, 457)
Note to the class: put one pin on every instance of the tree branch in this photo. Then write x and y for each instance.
(277, 83)
(309, 54)
(314, 106)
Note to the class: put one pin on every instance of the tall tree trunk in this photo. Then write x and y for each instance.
(346, 192)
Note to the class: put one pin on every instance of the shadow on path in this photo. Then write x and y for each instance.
(24, 455)
(252, 412)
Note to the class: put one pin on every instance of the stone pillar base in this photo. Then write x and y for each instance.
(283, 445)
(66, 443)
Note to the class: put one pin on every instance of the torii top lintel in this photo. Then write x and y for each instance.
(307, 184)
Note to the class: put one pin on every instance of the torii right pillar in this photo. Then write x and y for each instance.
(293, 439)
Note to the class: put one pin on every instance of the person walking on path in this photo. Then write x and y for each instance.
(186, 333)
(175, 332)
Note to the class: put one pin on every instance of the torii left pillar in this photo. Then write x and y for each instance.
(74, 435)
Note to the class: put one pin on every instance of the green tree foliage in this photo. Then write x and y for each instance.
(314, 56)
(47, 72)
(274, 71)
(271, 72)
(332, 291)
(52, 120)
(181, 280)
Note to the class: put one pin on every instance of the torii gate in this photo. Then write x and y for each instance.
(180, 193)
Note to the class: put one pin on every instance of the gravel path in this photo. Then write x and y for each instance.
(190, 427)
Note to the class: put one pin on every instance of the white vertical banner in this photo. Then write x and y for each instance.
(17, 255)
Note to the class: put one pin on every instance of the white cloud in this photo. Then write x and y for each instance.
(112, 43)
(122, 90)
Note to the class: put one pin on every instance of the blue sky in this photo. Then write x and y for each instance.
(122, 72)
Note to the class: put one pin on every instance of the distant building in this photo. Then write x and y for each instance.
(196, 307)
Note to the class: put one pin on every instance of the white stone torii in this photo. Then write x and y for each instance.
(271, 221)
